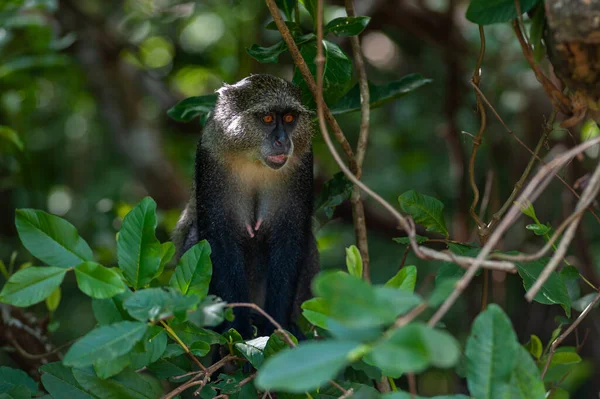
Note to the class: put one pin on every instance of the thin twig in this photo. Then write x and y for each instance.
(487, 193)
(254, 306)
(475, 80)
(588, 195)
(530, 193)
(173, 334)
(412, 385)
(568, 331)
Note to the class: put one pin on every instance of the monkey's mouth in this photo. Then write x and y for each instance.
(277, 161)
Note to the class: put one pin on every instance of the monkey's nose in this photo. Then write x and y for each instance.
(277, 143)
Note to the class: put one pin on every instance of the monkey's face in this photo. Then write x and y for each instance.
(277, 145)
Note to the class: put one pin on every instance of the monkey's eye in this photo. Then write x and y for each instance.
(288, 118)
(268, 118)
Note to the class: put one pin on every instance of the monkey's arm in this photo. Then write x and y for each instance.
(185, 234)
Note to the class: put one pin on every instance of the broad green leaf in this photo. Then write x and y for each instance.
(167, 250)
(539, 229)
(126, 385)
(276, 344)
(311, 7)
(159, 303)
(58, 380)
(193, 107)
(292, 26)
(10, 378)
(194, 271)
(150, 348)
(105, 343)
(357, 304)
(51, 239)
(565, 355)
(354, 261)
(32, 285)
(138, 250)
(443, 289)
(53, 300)
(337, 73)
(16, 392)
(316, 312)
(407, 395)
(191, 334)
(106, 370)
(347, 26)
(534, 346)
(583, 302)
(406, 240)
(413, 348)
(98, 281)
(253, 350)
(109, 311)
(287, 6)
(167, 368)
(305, 367)
(536, 32)
(334, 192)
(571, 277)
(405, 279)
(492, 351)
(379, 94)
(554, 290)
(11, 136)
(210, 312)
(267, 55)
(425, 210)
(486, 12)
(526, 381)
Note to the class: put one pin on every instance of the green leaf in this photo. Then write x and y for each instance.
(191, 334)
(379, 94)
(292, 26)
(570, 276)
(311, 7)
(10, 378)
(305, 367)
(539, 229)
(491, 352)
(527, 209)
(405, 279)
(193, 107)
(32, 285)
(357, 304)
(159, 303)
(347, 26)
(316, 312)
(106, 370)
(58, 380)
(138, 250)
(334, 192)
(51, 239)
(267, 55)
(11, 136)
(26, 62)
(559, 393)
(167, 250)
(150, 348)
(337, 73)
(413, 348)
(486, 12)
(526, 381)
(210, 312)
(443, 289)
(565, 355)
(534, 346)
(583, 302)
(406, 240)
(53, 300)
(194, 271)
(554, 290)
(253, 350)
(425, 210)
(109, 311)
(98, 281)
(536, 32)
(287, 6)
(125, 385)
(407, 395)
(16, 392)
(276, 344)
(105, 343)
(354, 261)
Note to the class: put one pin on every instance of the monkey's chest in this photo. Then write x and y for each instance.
(255, 210)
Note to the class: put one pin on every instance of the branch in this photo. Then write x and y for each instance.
(537, 184)
(358, 211)
(568, 331)
(587, 197)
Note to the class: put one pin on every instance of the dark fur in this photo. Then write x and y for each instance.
(232, 188)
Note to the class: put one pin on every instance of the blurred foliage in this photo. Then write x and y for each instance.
(61, 151)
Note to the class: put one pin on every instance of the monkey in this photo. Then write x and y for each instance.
(252, 200)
